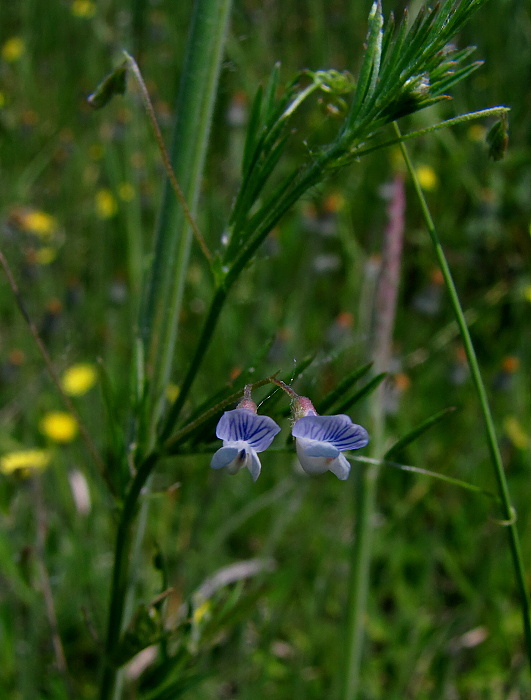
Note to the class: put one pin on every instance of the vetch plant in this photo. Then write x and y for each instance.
(406, 67)
(244, 433)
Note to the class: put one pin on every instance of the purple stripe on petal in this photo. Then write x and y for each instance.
(242, 425)
(338, 430)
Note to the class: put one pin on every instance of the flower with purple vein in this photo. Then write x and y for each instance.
(244, 434)
(320, 440)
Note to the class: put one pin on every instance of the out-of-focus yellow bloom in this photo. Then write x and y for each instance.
(2, 99)
(36, 221)
(527, 293)
(334, 203)
(106, 206)
(13, 49)
(45, 255)
(201, 612)
(172, 392)
(78, 379)
(427, 178)
(477, 132)
(516, 433)
(24, 462)
(126, 191)
(96, 151)
(83, 8)
(59, 426)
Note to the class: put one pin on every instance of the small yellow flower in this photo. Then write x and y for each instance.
(516, 433)
(24, 462)
(126, 191)
(527, 293)
(83, 8)
(59, 426)
(106, 206)
(96, 151)
(427, 178)
(78, 379)
(201, 612)
(13, 49)
(45, 255)
(172, 392)
(38, 222)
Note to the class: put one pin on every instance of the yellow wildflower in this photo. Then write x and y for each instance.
(427, 178)
(527, 293)
(126, 192)
(45, 255)
(13, 49)
(516, 433)
(37, 222)
(201, 612)
(96, 151)
(78, 379)
(172, 392)
(106, 206)
(24, 462)
(59, 426)
(83, 8)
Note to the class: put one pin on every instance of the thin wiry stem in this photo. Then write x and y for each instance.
(508, 510)
(165, 157)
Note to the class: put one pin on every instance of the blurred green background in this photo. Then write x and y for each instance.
(79, 193)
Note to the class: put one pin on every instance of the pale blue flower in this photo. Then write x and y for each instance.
(320, 440)
(244, 433)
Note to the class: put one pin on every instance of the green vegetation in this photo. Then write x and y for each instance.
(304, 254)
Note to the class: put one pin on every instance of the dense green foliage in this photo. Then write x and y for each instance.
(81, 192)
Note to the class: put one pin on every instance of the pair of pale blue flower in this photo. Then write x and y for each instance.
(319, 440)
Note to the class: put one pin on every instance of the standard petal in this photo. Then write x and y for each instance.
(338, 430)
(223, 457)
(241, 424)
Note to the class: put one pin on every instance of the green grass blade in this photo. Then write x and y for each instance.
(410, 437)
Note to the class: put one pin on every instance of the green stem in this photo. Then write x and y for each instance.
(508, 510)
(162, 302)
(203, 343)
(160, 316)
(120, 577)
